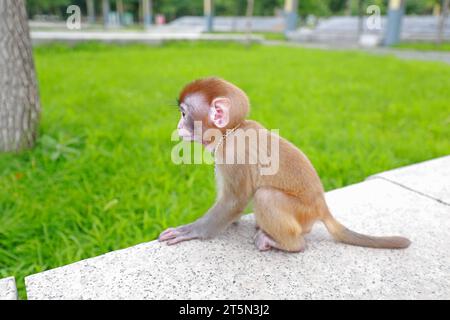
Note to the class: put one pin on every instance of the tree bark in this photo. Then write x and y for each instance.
(19, 97)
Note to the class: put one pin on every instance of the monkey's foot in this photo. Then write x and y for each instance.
(264, 242)
(175, 235)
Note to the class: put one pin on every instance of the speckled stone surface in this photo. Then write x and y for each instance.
(230, 267)
(8, 290)
(430, 178)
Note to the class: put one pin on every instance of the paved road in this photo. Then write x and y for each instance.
(137, 36)
(345, 29)
(191, 34)
(400, 53)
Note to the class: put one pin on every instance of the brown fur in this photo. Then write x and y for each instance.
(287, 204)
(212, 88)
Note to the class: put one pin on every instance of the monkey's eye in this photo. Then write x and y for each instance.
(183, 114)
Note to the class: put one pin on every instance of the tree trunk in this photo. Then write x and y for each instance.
(120, 11)
(348, 7)
(105, 10)
(90, 11)
(147, 7)
(249, 16)
(19, 98)
(443, 17)
(208, 12)
(360, 17)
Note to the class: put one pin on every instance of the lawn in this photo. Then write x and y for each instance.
(424, 46)
(101, 177)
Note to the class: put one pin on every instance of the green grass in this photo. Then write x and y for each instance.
(424, 46)
(272, 35)
(101, 178)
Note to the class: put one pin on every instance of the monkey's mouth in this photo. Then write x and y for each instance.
(186, 135)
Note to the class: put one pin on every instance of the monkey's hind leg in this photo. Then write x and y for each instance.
(275, 214)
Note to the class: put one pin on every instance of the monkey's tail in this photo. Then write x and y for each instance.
(342, 234)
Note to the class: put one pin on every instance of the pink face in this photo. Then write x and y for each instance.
(195, 109)
(186, 124)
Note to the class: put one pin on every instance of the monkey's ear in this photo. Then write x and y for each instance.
(220, 112)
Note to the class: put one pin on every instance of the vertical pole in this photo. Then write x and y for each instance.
(147, 13)
(105, 7)
(394, 23)
(360, 18)
(348, 7)
(140, 15)
(150, 6)
(290, 11)
(90, 11)
(119, 6)
(249, 15)
(208, 9)
(442, 18)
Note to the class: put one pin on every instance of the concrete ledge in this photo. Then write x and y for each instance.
(8, 290)
(230, 267)
(430, 178)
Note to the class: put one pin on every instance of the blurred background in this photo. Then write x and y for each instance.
(88, 94)
(326, 21)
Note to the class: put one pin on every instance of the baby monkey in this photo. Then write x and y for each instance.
(286, 203)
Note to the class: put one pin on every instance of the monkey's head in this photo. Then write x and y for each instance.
(214, 102)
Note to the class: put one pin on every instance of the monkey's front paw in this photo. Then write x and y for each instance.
(175, 235)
